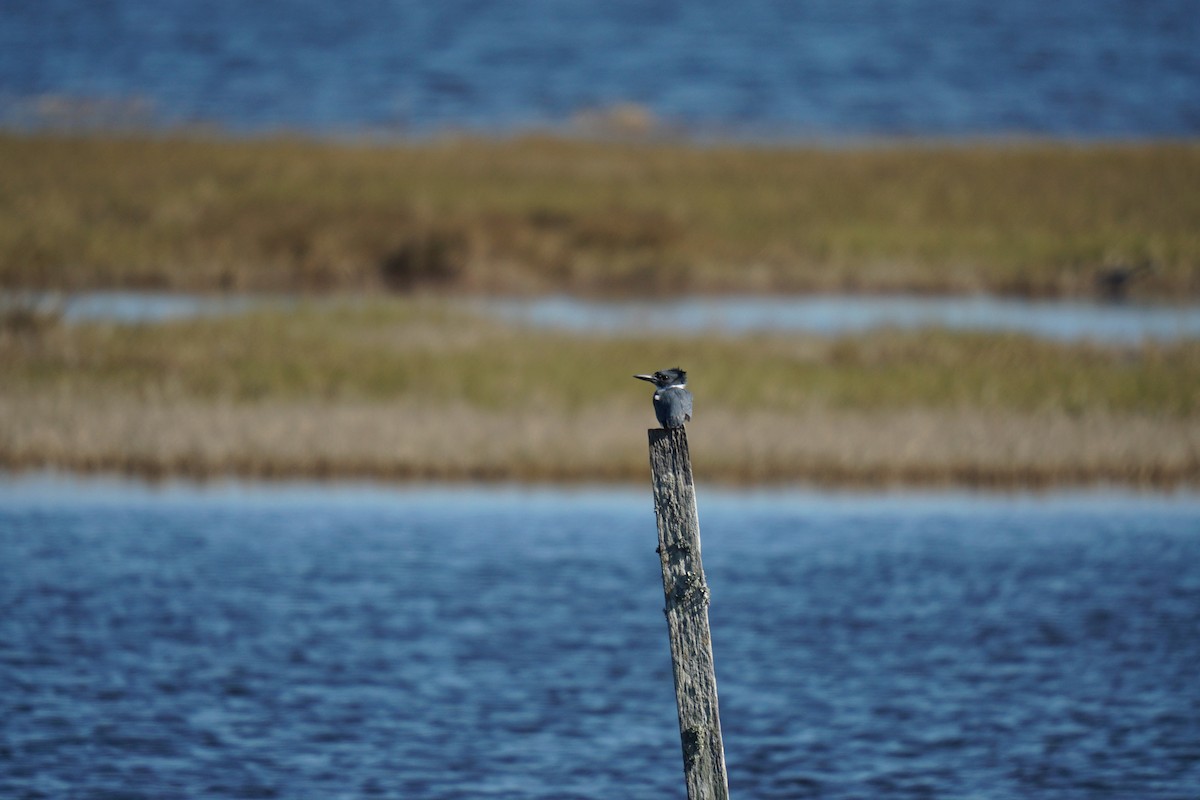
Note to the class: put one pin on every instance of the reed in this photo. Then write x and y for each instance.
(542, 214)
(154, 438)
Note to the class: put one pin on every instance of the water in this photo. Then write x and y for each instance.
(843, 314)
(762, 68)
(299, 641)
(144, 307)
(827, 315)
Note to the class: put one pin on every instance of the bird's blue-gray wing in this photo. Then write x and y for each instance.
(673, 407)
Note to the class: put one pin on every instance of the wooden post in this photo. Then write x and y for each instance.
(687, 595)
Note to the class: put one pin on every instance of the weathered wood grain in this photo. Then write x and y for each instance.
(687, 596)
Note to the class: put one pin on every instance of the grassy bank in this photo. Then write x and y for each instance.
(540, 214)
(416, 389)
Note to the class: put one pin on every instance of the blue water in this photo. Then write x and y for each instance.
(826, 315)
(300, 641)
(831, 315)
(1077, 68)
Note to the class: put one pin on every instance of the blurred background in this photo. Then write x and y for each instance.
(933, 269)
(926, 243)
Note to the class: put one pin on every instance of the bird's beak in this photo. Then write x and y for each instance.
(645, 378)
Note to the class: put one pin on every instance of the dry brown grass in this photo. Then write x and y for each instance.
(395, 441)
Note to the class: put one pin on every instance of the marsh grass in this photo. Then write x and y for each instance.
(422, 389)
(432, 352)
(155, 438)
(540, 214)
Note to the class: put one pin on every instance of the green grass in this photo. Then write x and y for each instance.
(541, 214)
(429, 353)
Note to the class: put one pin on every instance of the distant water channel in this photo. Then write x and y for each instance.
(1062, 320)
(840, 314)
(238, 640)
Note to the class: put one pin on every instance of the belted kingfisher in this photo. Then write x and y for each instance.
(672, 400)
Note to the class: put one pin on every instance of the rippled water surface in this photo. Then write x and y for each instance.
(300, 641)
(1092, 68)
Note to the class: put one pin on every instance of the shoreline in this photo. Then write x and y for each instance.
(1032, 481)
(37, 487)
(1151, 478)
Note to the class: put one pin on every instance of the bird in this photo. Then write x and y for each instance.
(672, 400)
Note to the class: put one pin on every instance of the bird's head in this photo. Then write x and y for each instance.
(666, 377)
